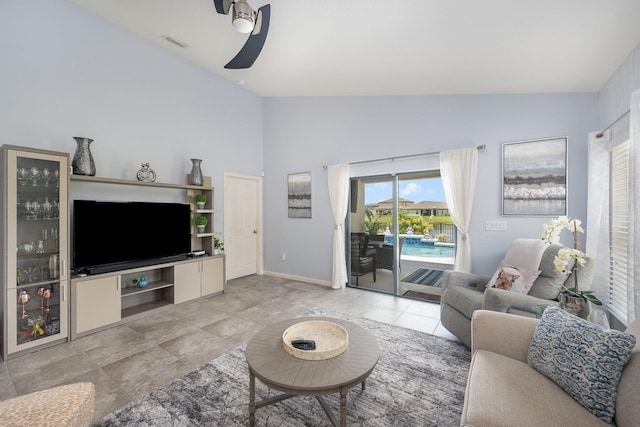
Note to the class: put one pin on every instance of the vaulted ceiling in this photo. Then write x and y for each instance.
(408, 47)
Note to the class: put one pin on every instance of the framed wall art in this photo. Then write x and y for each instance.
(534, 177)
(299, 195)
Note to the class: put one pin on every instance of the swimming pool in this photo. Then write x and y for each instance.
(418, 246)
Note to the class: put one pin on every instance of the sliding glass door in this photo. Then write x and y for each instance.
(401, 236)
(372, 221)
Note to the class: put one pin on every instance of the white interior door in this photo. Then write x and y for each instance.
(242, 225)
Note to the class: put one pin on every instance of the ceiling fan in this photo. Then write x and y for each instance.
(246, 20)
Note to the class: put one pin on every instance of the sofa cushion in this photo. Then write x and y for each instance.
(465, 300)
(547, 285)
(583, 358)
(512, 278)
(504, 392)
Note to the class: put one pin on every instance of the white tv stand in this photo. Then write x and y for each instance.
(101, 301)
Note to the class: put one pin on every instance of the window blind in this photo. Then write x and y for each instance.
(620, 181)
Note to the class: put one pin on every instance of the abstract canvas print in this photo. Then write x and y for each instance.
(299, 195)
(534, 177)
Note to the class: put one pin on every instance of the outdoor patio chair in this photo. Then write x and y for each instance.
(385, 256)
(363, 257)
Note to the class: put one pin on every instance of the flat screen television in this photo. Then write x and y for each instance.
(110, 236)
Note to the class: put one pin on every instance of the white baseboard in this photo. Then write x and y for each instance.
(299, 278)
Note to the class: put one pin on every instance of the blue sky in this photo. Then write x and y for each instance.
(417, 190)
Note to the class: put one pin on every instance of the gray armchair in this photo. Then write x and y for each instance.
(464, 293)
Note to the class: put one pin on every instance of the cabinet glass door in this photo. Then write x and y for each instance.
(37, 292)
(38, 311)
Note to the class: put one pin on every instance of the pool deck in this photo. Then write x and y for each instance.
(434, 263)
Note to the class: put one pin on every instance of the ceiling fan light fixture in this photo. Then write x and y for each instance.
(243, 17)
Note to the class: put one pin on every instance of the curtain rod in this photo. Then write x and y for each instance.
(481, 147)
(599, 134)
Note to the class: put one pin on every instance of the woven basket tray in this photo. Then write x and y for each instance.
(331, 339)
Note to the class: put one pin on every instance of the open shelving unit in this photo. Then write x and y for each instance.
(169, 283)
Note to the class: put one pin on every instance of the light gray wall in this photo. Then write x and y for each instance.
(66, 73)
(303, 134)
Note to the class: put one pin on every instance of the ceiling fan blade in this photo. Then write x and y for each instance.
(223, 6)
(251, 49)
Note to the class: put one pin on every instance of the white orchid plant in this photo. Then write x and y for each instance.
(568, 260)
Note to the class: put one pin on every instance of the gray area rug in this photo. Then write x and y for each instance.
(419, 381)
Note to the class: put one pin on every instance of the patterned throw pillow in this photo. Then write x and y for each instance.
(512, 278)
(583, 358)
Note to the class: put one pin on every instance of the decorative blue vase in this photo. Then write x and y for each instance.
(82, 162)
(143, 282)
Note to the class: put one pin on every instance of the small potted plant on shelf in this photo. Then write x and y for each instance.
(201, 223)
(200, 200)
(218, 246)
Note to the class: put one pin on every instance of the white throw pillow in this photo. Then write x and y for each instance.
(513, 279)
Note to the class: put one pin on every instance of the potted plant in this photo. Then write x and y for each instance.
(201, 223)
(568, 260)
(200, 200)
(218, 246)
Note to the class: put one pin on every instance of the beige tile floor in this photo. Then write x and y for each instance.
(132, 359)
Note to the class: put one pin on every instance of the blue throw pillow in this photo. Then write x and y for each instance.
(583, 358)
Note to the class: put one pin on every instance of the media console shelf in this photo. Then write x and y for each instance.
(104, 300)
(105, 180)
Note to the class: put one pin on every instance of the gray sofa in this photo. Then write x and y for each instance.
(464, 293)
(503, 390)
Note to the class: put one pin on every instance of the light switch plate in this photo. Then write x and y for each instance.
(495, 225)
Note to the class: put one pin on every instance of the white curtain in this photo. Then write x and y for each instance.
(339, 200)
(458, 169)
(633, 273)
(598, 181)
(598, 221)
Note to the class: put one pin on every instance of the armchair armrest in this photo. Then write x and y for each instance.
(466, 280)
(505, 301)
(502, 333)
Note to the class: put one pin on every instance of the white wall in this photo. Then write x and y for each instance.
(303, 134)
(66, 73)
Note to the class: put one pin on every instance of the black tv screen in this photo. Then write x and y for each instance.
(109, 236)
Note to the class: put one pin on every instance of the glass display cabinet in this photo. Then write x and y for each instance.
(35, 253)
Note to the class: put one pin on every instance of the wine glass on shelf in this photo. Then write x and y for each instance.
(41, 295)
(23, 176)
(47, 296)
(23, 298)
(46, 176)
(33, 209)
(47, 208)
(35, 175)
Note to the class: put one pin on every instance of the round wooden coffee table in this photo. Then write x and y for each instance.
(277, 369)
